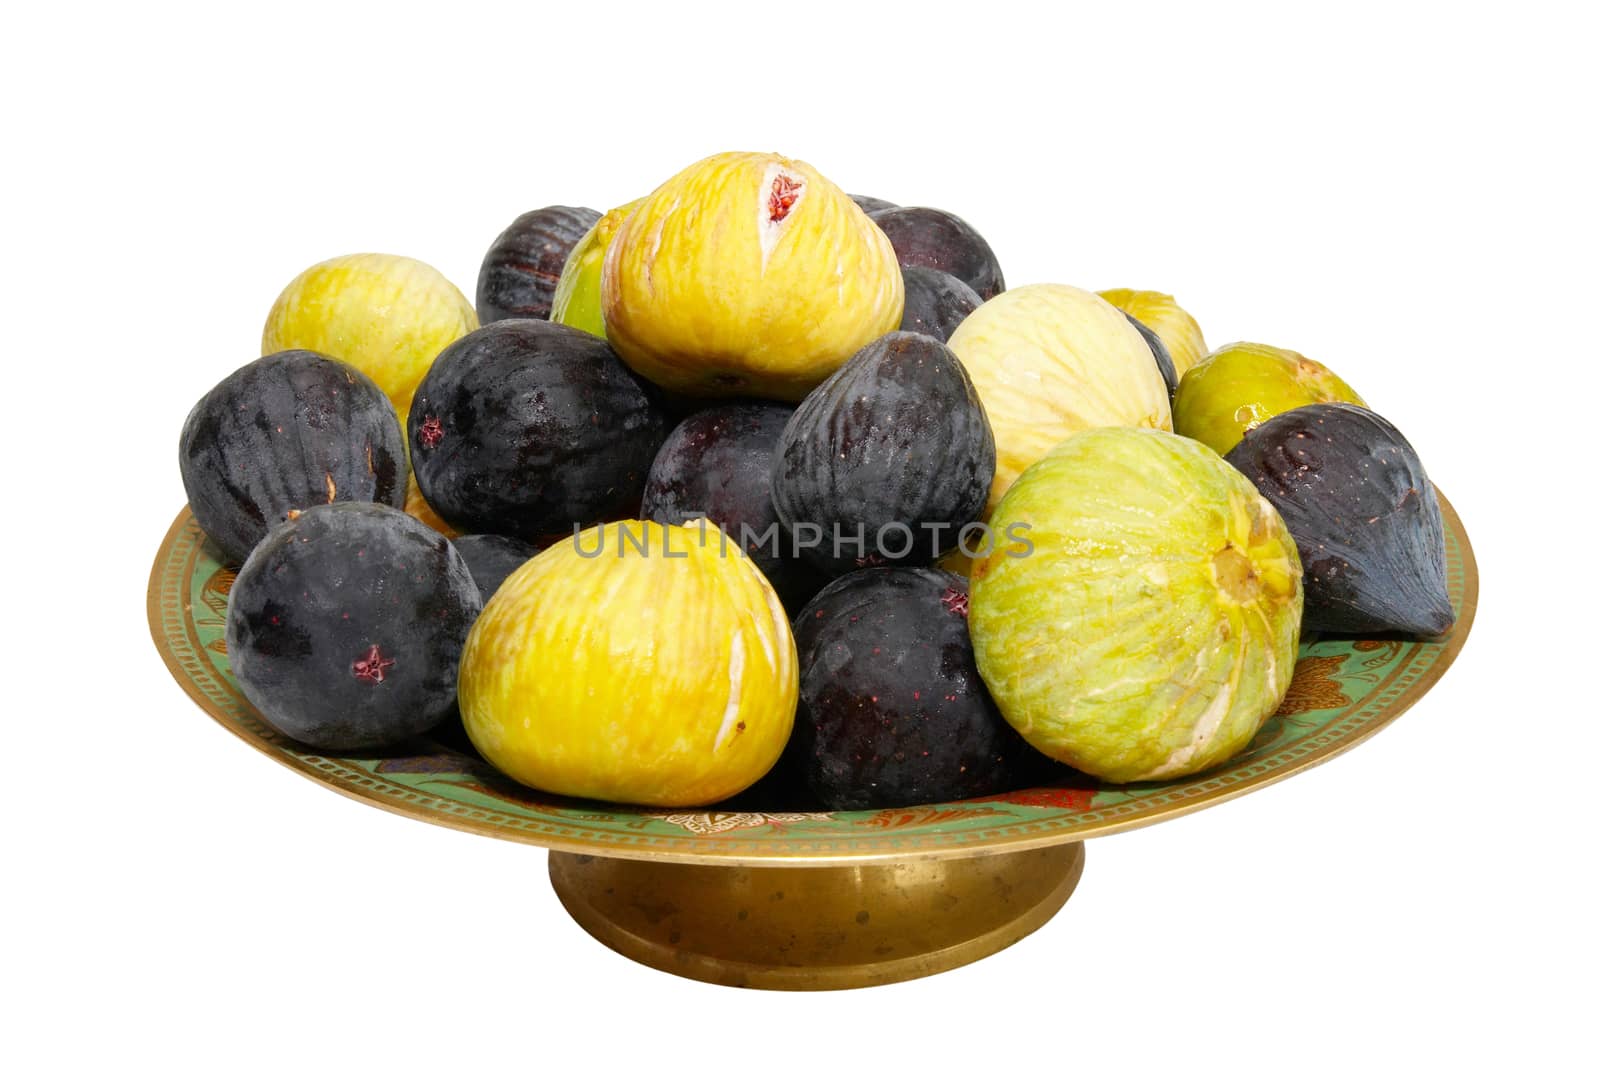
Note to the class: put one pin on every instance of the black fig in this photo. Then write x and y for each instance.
(284, 433)
(892, 711)
(887, 460)
(492, 558)
(346, 624)
(526, 428)
(1363, 515)
(718, 463)
(519, 273)
(931, 238)
(936, 302)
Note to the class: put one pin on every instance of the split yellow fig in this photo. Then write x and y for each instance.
(1176, 329)
(635, 663)
(387, 315)
(1051, 360)
(747, 274)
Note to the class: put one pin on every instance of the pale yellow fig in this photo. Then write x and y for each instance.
(387, 315)
(1050, 360)
(747, 274)
(1178, 331)
(1148, 625)
(635, 663)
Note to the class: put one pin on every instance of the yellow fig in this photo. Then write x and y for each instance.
(577, 298)
(1178, 331)
(1051, 360)
(636, 663)
(387, 315)
(747, 274)
(1243, 385)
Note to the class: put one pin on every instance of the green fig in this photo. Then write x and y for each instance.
(576, 301)
(1243, 385)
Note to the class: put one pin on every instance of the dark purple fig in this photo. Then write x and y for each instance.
(492, 558)
(1158, 350)
(869, 205)
(284, 433)
(527, 428)
(892, 711)
(718, 464)
(936, 302)
(931, 238)
(519, 273)
(887, 459)
(1363, 515)
(346, 624)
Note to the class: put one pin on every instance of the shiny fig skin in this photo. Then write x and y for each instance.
(527, 427)
(1159, 351)
(892, 710)
(346, 625)
(520, 271)
(1363, 515)
(492, 558)
(717, 463)
(892, 444)
(936, 302)
(286, 432)
(869, 205)
(933, 238)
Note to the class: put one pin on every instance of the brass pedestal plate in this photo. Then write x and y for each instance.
(810, 901)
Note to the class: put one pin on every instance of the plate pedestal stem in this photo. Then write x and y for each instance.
(822, 927)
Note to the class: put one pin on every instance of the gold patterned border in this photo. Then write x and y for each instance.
(171, 626)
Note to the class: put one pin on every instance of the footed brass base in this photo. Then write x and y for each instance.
(825, 927)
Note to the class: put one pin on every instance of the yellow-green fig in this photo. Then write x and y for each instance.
(577, 298)
(1050, 360)
(747, 274)
(1143, 621)
(635, 663)
(1176, 329)
(1243, 385)
(387, 315)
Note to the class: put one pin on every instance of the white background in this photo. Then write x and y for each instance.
(1404, 195)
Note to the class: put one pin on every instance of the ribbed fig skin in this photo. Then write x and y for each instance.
(1150, 625)
(896, 436)
(934, 238)
(346, 625)
(1362, 512)
(635, 663)
(1050, 360)
(287, 432)
(519, 272)
(747, 274)
(526, 428)
(390, 316)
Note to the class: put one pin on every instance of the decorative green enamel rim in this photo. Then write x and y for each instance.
(1344, 691)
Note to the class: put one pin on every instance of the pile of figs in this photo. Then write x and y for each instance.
(751, 489)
